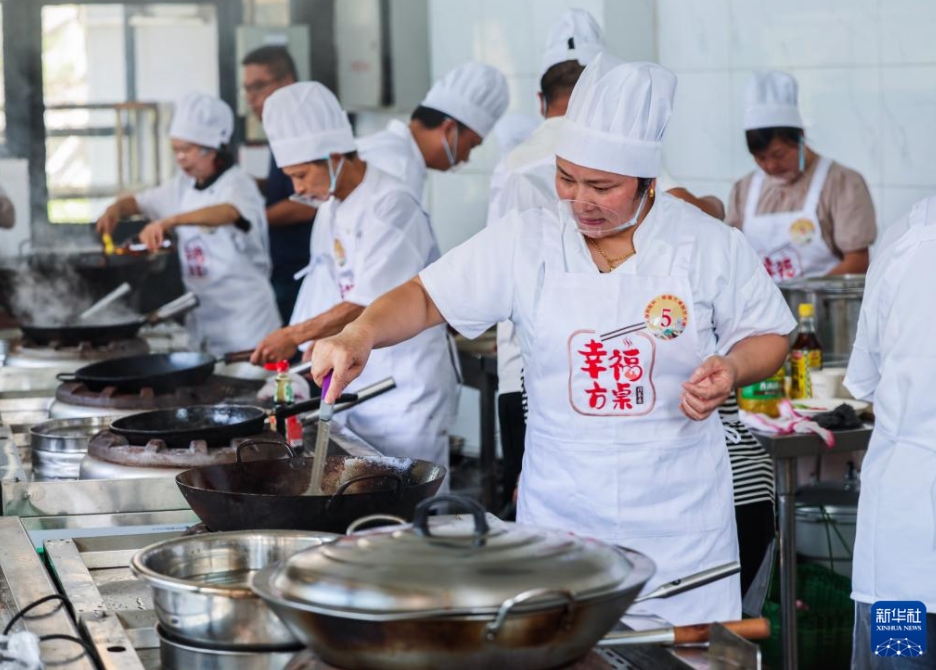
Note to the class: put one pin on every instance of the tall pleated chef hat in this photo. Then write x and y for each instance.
(617, 115)
(473, 93)
(202, 119)
(304, 122)
(576, 36)
(771, 101)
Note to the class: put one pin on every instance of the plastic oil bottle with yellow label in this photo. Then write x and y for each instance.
(805, 354)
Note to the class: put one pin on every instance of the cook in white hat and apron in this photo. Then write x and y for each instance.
(637, 315)
(806, 215)
(370, 236)
(217, 214)
(892, 366)
(453, 119)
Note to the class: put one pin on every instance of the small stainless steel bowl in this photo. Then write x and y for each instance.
(201, 586)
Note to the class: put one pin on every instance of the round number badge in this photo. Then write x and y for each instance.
(666, 317)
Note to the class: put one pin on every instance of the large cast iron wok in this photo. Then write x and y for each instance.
(276, 494)
(161, 372)
(102, 331)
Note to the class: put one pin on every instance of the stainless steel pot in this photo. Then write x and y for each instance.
(456, 593)
(201, 586)
(838, 304)
(58, 446)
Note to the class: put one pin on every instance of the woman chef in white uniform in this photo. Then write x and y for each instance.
(370, 235)
(892, 365)
(637, 315)
(218, 216)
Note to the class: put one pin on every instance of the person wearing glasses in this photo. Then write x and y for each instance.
(266, 70)
(216, 212)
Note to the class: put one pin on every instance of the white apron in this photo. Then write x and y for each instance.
(229, 270)
(895, 544)
(790, 243)
(412, 420)
(608, 452)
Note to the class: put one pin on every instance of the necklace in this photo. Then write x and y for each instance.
(612, 262)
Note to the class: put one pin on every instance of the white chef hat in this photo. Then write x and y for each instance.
(473, 93)
(304, 122)
(771, 101)
(616, 117)
(577, 36)
(202, 119)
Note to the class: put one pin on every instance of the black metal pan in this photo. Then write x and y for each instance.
(276, 494)
(215, 424)
(100, 331)
(162, 372)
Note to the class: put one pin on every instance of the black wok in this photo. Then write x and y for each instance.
(274, 494)
(162, 372)
(107, 330)
(215, 424)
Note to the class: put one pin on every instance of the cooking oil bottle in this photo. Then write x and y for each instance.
(764, 397)
(805, 354)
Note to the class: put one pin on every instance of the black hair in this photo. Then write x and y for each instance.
(276, 58)
(643, 183)
(432, 118)
(560, 79)
(760, 138)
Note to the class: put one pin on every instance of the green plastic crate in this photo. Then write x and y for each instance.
(824, 631)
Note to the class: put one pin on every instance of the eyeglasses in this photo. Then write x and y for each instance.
(258, 87)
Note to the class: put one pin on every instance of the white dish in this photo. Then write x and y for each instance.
(813, 406)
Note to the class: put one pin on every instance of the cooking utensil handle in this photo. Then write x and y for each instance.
(493, 628)
(363, 394)
(421, 515)
(66, 377)
(116, 294)
(692, 581)
(180, 305)
(355, 525)
(309, 406)
(360, 478)
(237, 356)
(327, 409)
(749, 629)
(253, 445)
(300, 369)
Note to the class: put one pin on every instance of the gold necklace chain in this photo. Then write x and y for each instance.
(612, 262)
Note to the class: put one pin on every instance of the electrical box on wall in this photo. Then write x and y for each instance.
(383, 54)
(296, 40)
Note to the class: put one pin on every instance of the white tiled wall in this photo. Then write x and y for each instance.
(867, 75)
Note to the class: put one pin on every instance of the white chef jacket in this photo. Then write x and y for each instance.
(394, 151)
(524, 179)
(362, 247)
(226, 267)
(496, 275)
(892, 364)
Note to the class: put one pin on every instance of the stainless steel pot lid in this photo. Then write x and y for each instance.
(448, 566)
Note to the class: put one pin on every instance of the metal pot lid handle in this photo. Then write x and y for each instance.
(355, 525)
(493, 628)
(692, 581)
(421, 516)
(66, 377)
(253, 445)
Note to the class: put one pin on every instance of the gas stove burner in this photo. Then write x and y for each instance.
(26, 354)
(215, 390)
(112, 448)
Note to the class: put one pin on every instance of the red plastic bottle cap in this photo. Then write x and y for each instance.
(278, 366)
